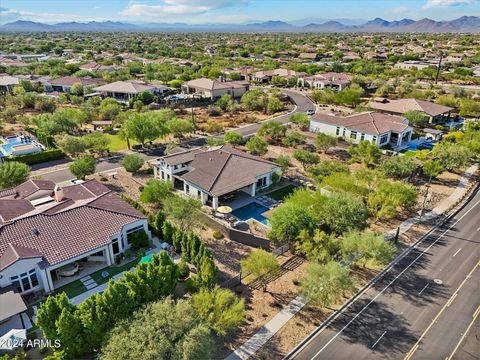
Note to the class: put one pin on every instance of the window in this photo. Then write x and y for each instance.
(383, 139)
(362, 137)
(344, 130)
(338, 131)
(25, 281)
(187, 188)
(374, 139)
(115, 247)
(199, 194)
(353, 134)
(261, 182)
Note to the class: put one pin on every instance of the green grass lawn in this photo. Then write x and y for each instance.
(112, 271)
(409, 153)
(116, 144)
(72, 289)
(282, 193)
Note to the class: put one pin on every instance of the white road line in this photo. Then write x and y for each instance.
(380, 338)
(396, 277)
(457, 252)
(423, 288)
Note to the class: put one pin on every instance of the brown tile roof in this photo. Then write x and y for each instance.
(204, 83)
(84, 221)
(401, 106)
(226, 169)
(30, 187)
(126, 87)
(70, 80)
(14, 252)
(180, 155)
(369, 122)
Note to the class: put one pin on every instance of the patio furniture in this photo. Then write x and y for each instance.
(68, 270)
(105, 275)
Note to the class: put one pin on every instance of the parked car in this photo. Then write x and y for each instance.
(310, 112)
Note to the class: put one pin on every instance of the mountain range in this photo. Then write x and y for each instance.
(462, 24)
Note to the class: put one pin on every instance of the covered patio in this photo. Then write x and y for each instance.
(85, 268)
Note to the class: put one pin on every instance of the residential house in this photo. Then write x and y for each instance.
(266, 76)
(307, 56)
(129, 89)
(11, 309)
(213, 174)
(332, 80)
(213, 89)
(378, 128)
(65, 83)
(245, 72)
(415, 64)
(50, 236)
(437, 113)
(92, 67)
(7, 83)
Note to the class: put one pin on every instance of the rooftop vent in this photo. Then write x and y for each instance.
(35, 232)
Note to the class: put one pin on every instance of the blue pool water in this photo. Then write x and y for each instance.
(9, 143)
(251, 211)
(421, 146)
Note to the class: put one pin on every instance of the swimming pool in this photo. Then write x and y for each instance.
(16, 145)
(251, 211)
(420, 146)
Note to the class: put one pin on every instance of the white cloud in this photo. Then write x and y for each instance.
(8, 15)
(445, 3)
(176, 7)
(401, 10)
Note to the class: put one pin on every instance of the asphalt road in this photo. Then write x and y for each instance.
(58, 173)
(302, 102)
(421, 308)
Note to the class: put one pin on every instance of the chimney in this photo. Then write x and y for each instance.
(58, 193)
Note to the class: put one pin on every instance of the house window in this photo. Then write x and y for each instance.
(374, 139)
(362, 137)
(25, 281)
(115, 247)
(344, 131)
(262, 182)
(353, 135)
(187, 188)
(383, 139)
(199, 194)
(338, 131)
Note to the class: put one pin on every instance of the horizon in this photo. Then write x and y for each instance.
(239, 12)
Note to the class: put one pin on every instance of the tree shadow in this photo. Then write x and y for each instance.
(367, 328)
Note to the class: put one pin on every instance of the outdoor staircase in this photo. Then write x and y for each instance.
(88, 282)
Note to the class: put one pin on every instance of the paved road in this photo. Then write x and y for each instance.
(302, 102)
(429, 298)
(63, 174)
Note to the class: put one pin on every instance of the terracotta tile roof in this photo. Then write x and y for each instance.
(126, 87)
(84, 221)
(369, 122)
(401, 106)
(14, 252)
(70, 80)
(30, 187)
(204, 83)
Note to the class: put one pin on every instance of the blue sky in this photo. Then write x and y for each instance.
(230, 11)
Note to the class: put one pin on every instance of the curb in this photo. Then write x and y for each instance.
(443, 219)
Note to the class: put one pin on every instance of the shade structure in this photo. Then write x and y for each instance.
(224, 209)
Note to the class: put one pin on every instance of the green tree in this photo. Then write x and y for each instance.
(82, 166)
(220, 309)
(452, 156)
(365, 153)
(342, 212)
(233, 138)
(350, 97)
(72, 145)
(258, 264)
(70, 333)
(225, 102)
(301, 120)
(273, 131)
(179, 127)
(320, 246)
(77, 89)
(306, 158)
(324, 142)
(367, 247)
(184, 210)
(49, 312)
(13, 173)
(163, 330)
(132, 162)
(398, 166)
(274, 105)
(325, 285)
(139, 239)
(255, 100)
(293, 139)
(145, 127)
(257, 146)
(96, 142)
(155, 191)
(384, 201)
(432, 168)
(288, 221)
(284, 162)
(416, 118)
(327, 168)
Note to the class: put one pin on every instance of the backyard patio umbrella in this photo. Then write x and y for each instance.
(12, 339)
(224, 209)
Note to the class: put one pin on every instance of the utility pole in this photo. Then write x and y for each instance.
(438, 67)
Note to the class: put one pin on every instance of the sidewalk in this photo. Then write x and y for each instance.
(261, 337)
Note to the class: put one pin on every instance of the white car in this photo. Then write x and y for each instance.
(310, 112)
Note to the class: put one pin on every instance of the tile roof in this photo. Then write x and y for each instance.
(401, 106)
(14, 252)
(70, 80)
(372, 123)
(11, 304)
(204, 83)
(223, 169)
(84, 221)
(30, 187)
(126, 87)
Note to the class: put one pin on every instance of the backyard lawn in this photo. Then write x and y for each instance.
(282, 193)
(112, 271)
(116, 144)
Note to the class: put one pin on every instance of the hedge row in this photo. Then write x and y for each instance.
(39, 157)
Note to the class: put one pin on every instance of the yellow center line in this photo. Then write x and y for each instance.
(475, 315)
(417, 344)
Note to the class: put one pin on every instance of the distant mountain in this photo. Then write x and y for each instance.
(315, 20)
(463, 24)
